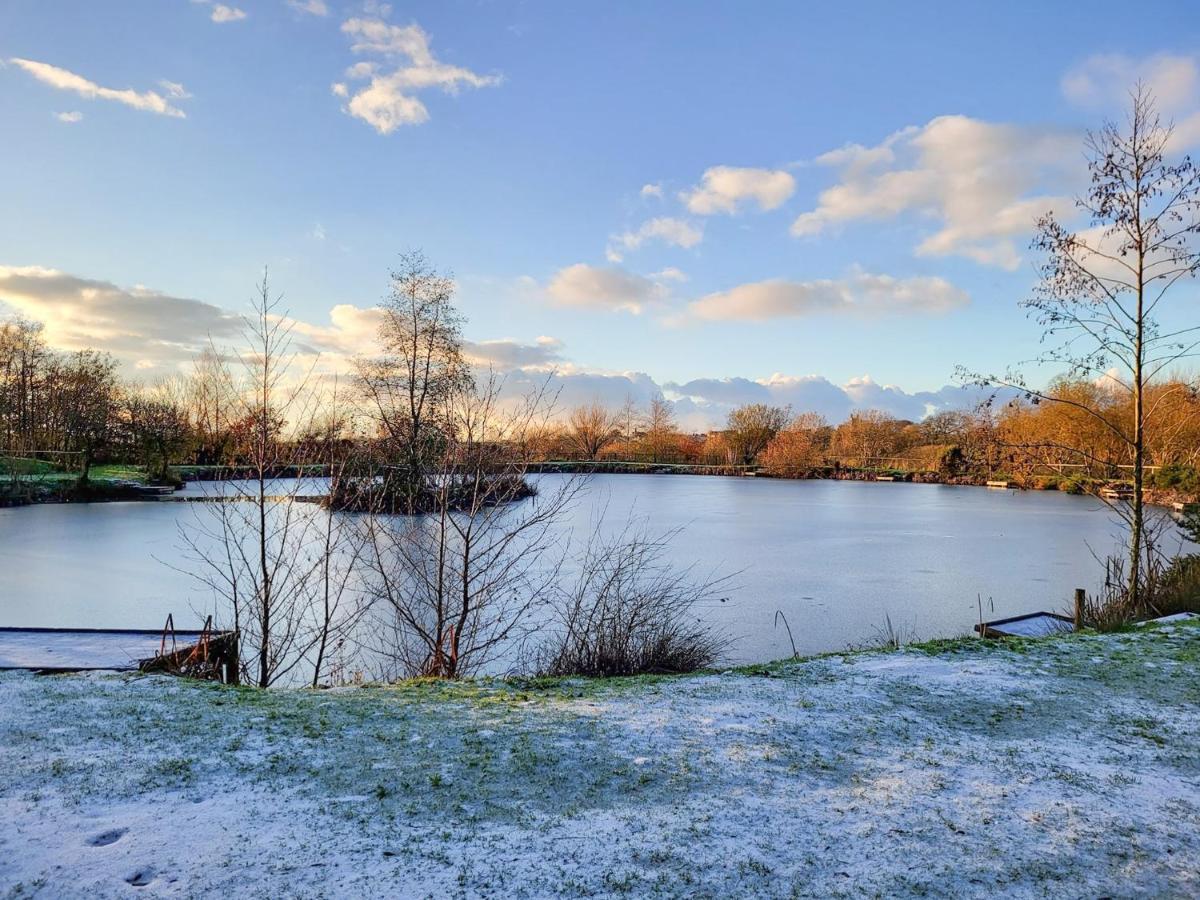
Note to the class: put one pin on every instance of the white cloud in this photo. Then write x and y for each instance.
(860, 293)
(593, 287)
(156, 333)
(670, 273)
(174, 89)
(222, 13)
(704, 403)
(63, 80)
(312, 7)
(544, 354)
(723, 189)
(1104, 82)
(676, 232)
(652, 190)
(389, 99)
(69, 117)
(133, 323)
(983, 184)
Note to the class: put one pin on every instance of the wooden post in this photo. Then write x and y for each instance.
(1080, 598)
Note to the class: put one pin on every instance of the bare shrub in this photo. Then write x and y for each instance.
(630, 612)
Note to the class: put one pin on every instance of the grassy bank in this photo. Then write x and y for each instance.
(26, 481)
(1067, 767)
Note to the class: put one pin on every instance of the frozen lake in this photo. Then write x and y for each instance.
(836, 557)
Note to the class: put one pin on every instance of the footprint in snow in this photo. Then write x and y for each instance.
(104, 838)
(140, 877)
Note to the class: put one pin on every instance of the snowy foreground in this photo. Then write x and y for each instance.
(1067, 767)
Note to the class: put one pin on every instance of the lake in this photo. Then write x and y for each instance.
(837, 557)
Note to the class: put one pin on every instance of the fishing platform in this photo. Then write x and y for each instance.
(204, 653)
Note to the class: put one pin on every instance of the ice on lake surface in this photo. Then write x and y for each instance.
(836, 557)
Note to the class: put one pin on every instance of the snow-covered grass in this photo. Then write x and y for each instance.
(1065, 767)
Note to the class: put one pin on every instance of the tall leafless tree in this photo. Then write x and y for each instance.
(261, 551)
(1102, 289)
(461, 580)
(422, 367)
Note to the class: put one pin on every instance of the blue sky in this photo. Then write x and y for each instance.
(661, 192)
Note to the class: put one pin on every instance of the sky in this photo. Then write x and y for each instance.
(722, 202)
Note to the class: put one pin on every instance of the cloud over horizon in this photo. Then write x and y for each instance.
(155, 333)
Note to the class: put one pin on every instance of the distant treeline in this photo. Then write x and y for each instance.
(1039, 444)
(73, 410)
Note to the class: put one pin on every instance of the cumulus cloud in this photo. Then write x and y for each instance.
(133, 323)
(1106, 79)
(69, 118)
(154, 333)
(670, 273)
(404, 65)
(704, 403)
(860, 293)
(312, 7)
(676, 232)
(652, 190)
(506, 354)
(1104, 82)
(222, 13)
(725, 189)
(63, 80)
(594, 287)
(568, 388)
(983, 184)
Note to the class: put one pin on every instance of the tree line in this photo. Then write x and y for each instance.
(1040, 444)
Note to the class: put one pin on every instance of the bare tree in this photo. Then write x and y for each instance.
(630, 419)
(591, 428)
(212, 405)
(156, 418)
(1102, 289)
(461, 580)
(88, 400)
(752, 427)
(661, 430)
(258, 549)
(409, 387)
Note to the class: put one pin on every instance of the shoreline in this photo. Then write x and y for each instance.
(124, 492)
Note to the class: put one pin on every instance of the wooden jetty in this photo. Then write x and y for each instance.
(998, 484)
(204, 653)
(1038, 624)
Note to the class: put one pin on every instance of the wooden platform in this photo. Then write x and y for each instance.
(1038, 624)
(84, 649)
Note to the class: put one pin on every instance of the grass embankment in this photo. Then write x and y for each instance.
(25, 481)
(1068, 766)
